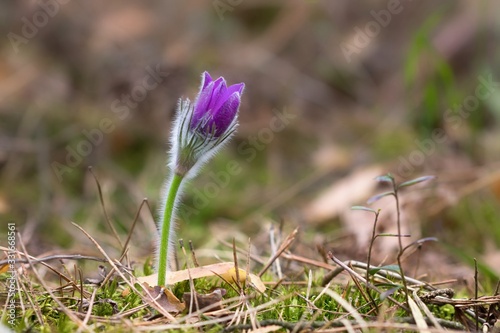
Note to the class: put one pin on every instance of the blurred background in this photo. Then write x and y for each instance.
(337, 93)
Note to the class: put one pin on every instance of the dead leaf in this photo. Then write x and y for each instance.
(226, 270)
(202, 301)
(230, 275)
(183, 275)
(256, 282)
(340, 196)
(165, 299)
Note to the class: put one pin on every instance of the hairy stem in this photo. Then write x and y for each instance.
(168, 229)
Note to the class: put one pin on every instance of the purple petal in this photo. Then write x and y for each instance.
(204, 96)
(205, 80)
(207, 100)
(236, 87)
(201, 103)
(226, 113)
(218, 92)
(228, 92)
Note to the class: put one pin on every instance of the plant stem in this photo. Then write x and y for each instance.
(168, 228)
(401, 250)
(374, 236)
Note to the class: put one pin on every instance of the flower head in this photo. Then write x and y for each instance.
(204, 126)
(216, 106)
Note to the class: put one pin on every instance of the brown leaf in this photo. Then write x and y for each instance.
(165, 299)
(202, 301)
(256, 282)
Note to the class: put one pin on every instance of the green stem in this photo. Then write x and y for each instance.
(168, 228)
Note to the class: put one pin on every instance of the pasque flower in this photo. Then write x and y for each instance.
(199, 131)
(202, 128)
(216, 107)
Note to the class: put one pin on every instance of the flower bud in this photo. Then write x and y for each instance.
(216, 106)
(204, 127)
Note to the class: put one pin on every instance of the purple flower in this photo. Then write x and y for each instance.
(216, 106)
(202, 128)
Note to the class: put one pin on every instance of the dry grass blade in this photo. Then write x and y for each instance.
(286, 243)
(112, 271)
(384, 273)
(362, 279)
(193, 254)
(254, 257)
(273, 242)
(193, 299)
(35, 260)
(307, 261)
(183, 322)
(247, 268)
(236, 269)
(89, 311)
(42, 260)
(130, 284)
(417, 315)
(101, 199)
(34, 305)
(132, 228)
(426, 310)
(352, 311)
(465, 303)
(63, 308)
(348, 326)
